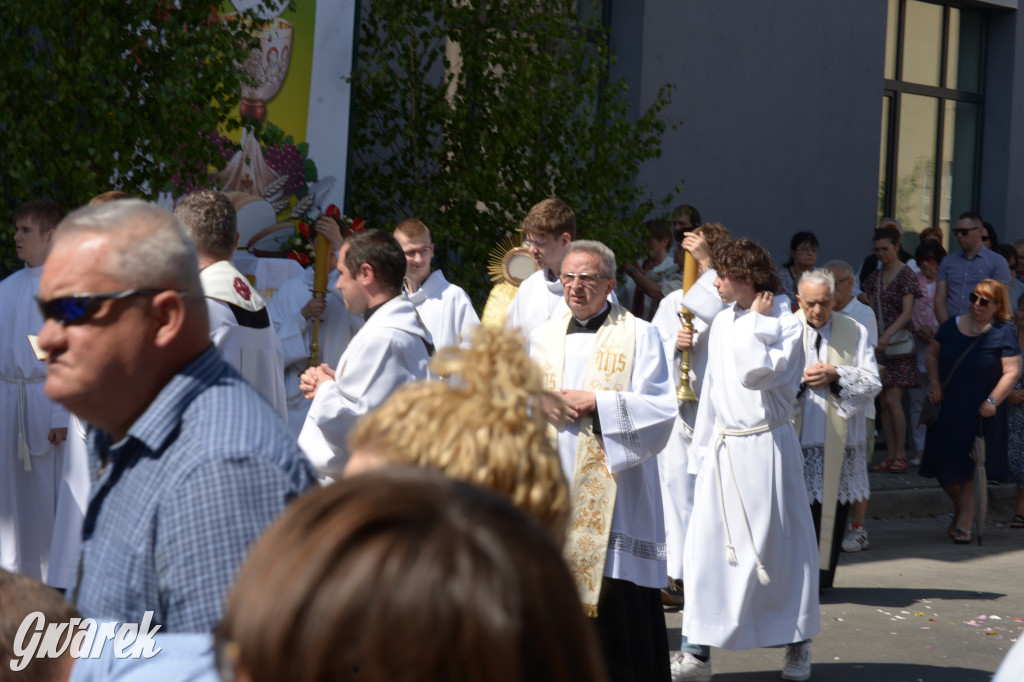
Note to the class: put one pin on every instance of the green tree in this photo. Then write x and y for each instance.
(468, 113)
(109, 94)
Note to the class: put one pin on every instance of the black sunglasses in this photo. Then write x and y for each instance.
(983, 302)
(77, 308)
(964, 231)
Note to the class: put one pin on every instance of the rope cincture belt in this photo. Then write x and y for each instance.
(762, 573)
(24, 454)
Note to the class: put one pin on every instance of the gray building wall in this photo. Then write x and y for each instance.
(780, 106)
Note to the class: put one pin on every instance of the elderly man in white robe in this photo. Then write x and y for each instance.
(840, 380)
(32, 428)
(240, 325)
(608, 370)
(392, 349)
(445, 308)
(293, 310)
(750, 559)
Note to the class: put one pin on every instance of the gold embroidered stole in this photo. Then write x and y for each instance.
(842, 349)
(609, 368)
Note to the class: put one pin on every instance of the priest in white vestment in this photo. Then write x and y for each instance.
(293, 310)
(609, 370)
(32, 428)
(750, 558)
(445, 308)
(240, 325)
(840, 380)
(391, 349)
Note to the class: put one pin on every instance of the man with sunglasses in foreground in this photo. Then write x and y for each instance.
(32, 428)
(188, 463)
(960, 271)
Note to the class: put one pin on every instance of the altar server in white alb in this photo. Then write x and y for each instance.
(677, 483)
(445, 308)
(751, 561)
(293, 310)
(840, 380)
(239, 322)
(549, 227)
(392, 348)
(608, 370)
(32, 428)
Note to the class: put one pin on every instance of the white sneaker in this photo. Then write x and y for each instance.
(798, 662)
(855, 540)
(686, 666)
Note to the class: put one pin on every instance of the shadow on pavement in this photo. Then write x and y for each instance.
(897, 597)
(875, 672)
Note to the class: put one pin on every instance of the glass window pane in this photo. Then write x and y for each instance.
(959, 150)
(922, 43)
(915, 166)
(891, 31)
(883, 155)
(963, 65)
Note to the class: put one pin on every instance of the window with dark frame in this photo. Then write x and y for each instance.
(931, 113)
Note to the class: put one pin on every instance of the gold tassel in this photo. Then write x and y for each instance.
(590, 610)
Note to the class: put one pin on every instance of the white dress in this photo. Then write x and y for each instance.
(753, 374)
(635, 425)
(72, 502)
(388, 352)
(446, 311)
(28, 497)
(858, 385)
(253, 350)
(676, 482)
(337, 327)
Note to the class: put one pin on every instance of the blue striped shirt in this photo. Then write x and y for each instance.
(195, 481)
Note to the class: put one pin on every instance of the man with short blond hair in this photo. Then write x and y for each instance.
(445, 308)
(32, 428)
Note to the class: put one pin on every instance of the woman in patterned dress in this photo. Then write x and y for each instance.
(890, 291)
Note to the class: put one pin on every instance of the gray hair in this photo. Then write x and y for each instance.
(148, 247)
(212, 220)
(818, 276)
(840, 265)
(598, 249)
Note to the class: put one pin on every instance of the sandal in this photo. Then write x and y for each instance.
(898, 466)
(1018, 521)
(961, 537)
(884, 466)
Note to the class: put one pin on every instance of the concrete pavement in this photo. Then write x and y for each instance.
(915, 606)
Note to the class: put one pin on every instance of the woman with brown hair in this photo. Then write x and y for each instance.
(405, 574)
(984, 345)
(890, 291)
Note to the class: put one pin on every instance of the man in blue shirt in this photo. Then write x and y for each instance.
(959, 272)
(189, 464)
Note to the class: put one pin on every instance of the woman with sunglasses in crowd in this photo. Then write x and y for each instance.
(973, 395)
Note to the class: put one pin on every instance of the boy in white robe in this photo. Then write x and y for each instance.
(550, 226)
(240, 325)
(293, 310)
(392, 349)
(609, 370)
(32, 428)
(840, 380)
(445, 308)
(750, 559)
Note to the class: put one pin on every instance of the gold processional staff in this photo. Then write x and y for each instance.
(685, 392)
